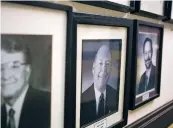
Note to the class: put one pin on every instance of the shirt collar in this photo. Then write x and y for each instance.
(19, 102)
(98, 93)
(148, 72)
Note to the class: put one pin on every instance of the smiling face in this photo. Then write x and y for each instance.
(102, 68)
(148, 54)
(14, 74)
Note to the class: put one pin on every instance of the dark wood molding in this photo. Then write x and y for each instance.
(144, 13)
(109, 5)
(167, 11)
(44, 4)
(159, 118)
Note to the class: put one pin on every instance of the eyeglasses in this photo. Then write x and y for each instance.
(15, 65)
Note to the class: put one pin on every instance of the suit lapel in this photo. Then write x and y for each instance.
(3, 116)
(89, 105)
(144, 81)
(93, 100)
(151, 79)
(111, 100)
(26, 112)
(108, 101)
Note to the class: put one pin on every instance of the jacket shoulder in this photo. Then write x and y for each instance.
(88, 95)
(111, 93)
(112, 98)
(111, 90)
(38, 97)
(36, 106)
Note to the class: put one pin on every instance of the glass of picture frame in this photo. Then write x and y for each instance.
(100, 71)
(150, 9)
(168, 11)
(34, 38)
(146, 63)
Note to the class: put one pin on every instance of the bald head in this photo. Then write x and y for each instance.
(102, 68)
(103, 52)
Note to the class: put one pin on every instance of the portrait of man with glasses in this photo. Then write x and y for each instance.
(23, 106)
(147, 81)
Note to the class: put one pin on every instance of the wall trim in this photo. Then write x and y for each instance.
(159, 118)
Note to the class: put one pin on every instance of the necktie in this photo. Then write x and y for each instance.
(11, 122)
(101, 106)
(146, 83)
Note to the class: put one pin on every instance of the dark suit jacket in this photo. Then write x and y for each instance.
(35, 112)
(151, 82)
(88, 105)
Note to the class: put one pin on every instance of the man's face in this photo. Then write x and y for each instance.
(148, 55)
(14, 74)
(102, 68)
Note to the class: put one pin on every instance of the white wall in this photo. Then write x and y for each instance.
(167, 57)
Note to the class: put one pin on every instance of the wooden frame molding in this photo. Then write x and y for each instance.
(159, 118)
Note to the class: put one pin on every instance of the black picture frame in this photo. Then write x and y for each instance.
(140, 12)
(68, 10)
(136, 25)
(110, 5)
(167, 11)
(89, 19)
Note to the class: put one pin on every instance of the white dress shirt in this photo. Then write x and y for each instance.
(97, 96)
(17, 107)
(148, 72)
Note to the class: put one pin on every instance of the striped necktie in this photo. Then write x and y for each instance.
(146, 83)
(11, 122)
(101, 106)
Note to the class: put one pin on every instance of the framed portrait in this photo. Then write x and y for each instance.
(146, 63)
(34, 38)
(150, 9)
(123, 6)
(168, 11)
(100, 71)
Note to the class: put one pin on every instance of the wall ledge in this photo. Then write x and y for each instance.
(159, 118)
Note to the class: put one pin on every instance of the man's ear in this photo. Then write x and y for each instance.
(93, 68)
(152, 54)
(111, 68)
(28, 71)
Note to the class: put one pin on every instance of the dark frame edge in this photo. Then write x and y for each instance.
(140, 12)
(167, 12)
(133, 80)
(42, 4)
(69, 110)
(150, 15)
(109, 5)
(129, 54)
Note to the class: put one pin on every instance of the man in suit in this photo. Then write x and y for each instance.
(99, 99)
(147, 81)
(23, 106)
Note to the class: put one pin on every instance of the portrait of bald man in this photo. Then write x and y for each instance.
(147, 80)
(23, 106)
(100, 99)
